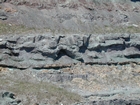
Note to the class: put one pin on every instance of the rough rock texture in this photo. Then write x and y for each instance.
(71, 15)
(45, 51)
(102, 69)
(116, 102)
(7, 98)
(96, 84)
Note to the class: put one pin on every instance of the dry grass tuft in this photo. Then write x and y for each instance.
(37, 91)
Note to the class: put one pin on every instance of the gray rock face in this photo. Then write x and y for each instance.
(45, 51)
(3, 16)
(8, 98)
(72, 15)
(116, 102)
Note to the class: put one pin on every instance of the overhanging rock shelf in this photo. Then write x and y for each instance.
(44, 51)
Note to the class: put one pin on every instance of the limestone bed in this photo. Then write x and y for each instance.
(46, 51)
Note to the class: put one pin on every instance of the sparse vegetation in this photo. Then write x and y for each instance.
(38, 90)
(21, 29)
(18, 29)
(13, 29)
(116, 29)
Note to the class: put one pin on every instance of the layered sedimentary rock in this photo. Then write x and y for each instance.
(45, 51)
(71, 15)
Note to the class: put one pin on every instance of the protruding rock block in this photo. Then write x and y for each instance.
(41, 50)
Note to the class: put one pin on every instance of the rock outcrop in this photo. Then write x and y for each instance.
(104, 69)
(72, 15)
(7, 98)
(116, 102)
(46, 51)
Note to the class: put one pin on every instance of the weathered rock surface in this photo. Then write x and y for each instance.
(67, 61)
(46, 51)
(7, 98)
(72, 15)
(3, 15)
(96, 84)
(116, 102)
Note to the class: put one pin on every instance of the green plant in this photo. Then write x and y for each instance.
(21, 29)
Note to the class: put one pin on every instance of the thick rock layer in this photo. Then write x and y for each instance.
(45, 51)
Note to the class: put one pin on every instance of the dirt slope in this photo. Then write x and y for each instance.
(72, 15)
